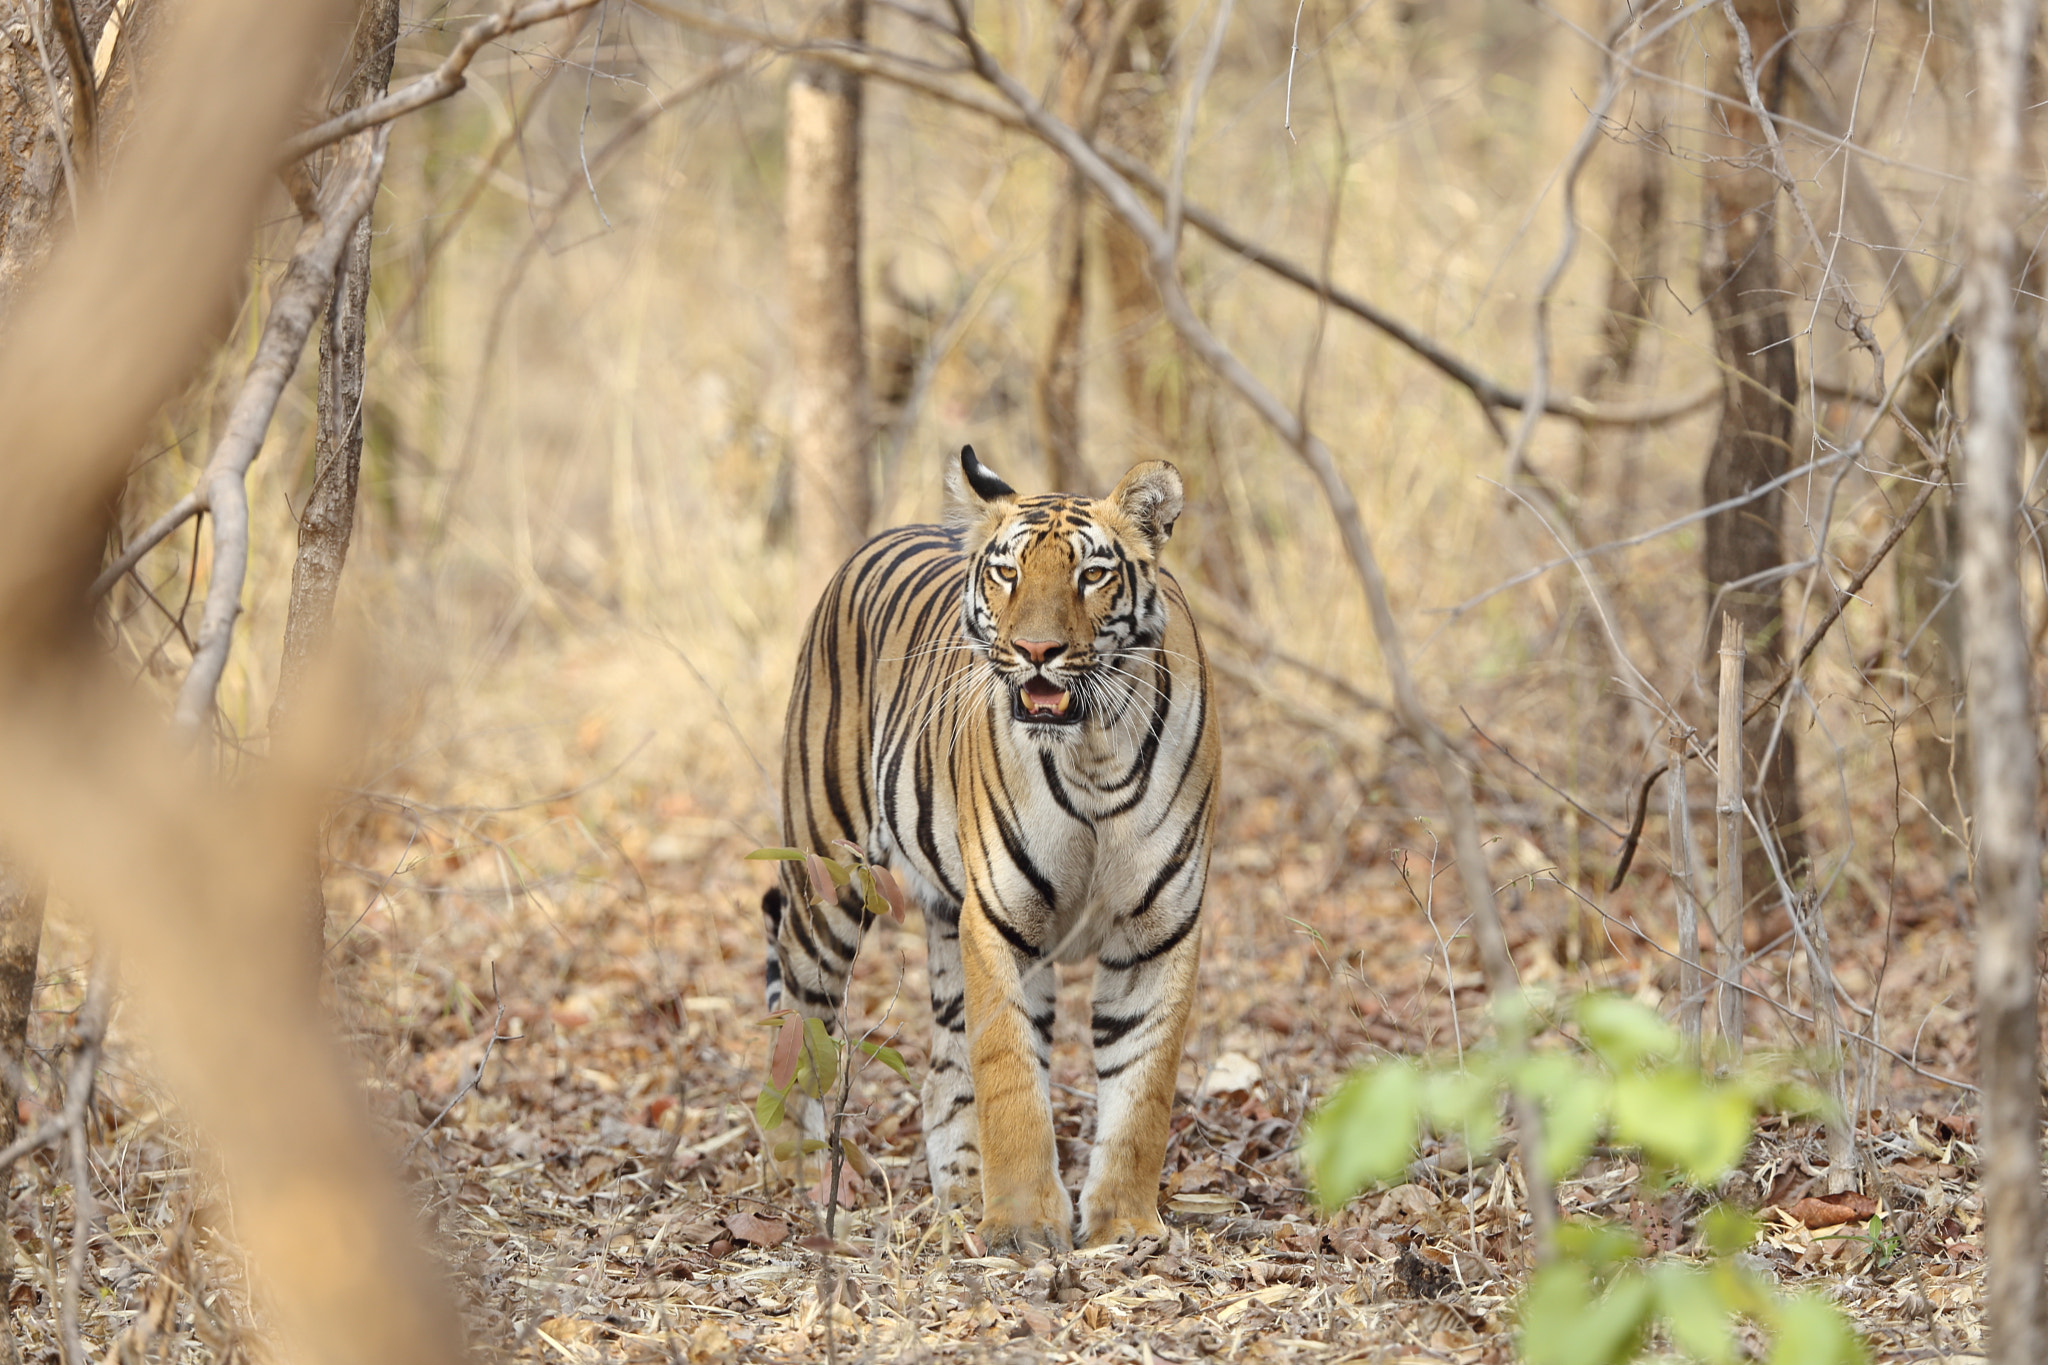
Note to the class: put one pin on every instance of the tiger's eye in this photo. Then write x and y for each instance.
(1093, 576)
(1002, 573)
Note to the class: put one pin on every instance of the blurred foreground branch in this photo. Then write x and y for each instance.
(329, 222)
(182, 876)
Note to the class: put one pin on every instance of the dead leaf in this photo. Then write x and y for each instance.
(748, 1226)
(1233, 1073)
(710, 1345)
(570, 1331)
(1833, 1210)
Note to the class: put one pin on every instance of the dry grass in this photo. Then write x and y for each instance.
(574, 624)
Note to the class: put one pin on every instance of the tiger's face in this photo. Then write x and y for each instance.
(1059, 588)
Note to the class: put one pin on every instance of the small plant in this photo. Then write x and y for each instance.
(805, 1061)
(1599, 1298)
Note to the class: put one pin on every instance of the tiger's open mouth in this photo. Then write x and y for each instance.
(1041, 701)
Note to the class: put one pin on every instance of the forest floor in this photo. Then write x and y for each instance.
(604, 1193)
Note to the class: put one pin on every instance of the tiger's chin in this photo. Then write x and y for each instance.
(1039, 703)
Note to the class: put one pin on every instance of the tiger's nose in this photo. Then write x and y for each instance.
(1040, 651)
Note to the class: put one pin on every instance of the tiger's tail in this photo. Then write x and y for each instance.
(773, 902)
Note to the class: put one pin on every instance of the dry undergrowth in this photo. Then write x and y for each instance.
(603, 1195)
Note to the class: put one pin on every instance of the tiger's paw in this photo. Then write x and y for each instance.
(1119, 1231)
(1029, 1226)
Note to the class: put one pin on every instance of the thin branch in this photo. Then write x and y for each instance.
(437, 85)
(351, 186)
(1848, 591)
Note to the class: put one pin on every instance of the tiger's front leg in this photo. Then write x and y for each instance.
(1009, 1041)
(1144, 987)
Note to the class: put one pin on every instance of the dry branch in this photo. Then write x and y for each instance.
(349, 188)
(444, 80)
(186, 879)
(1729, 905)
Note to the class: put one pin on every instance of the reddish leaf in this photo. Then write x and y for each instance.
(789, 1040)
(892, 891)
(821, 880)
(748, 1226)
(1833, 1210)
(850, 1185)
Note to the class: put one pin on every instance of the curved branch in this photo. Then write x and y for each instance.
(345, 198)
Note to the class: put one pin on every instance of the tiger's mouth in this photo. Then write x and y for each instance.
(1041, 701)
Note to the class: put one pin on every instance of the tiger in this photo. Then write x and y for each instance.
(1011, 712)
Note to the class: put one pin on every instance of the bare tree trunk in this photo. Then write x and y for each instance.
(1173, 406)
(327, 523)
(1056, 388)
(2005, 782)
(1744, 283)
(832, 493)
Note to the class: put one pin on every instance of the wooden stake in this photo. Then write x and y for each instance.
(1728, 808)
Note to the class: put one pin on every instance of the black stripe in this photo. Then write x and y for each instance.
(1111, 1028)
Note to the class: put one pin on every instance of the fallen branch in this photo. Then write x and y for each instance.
(444, 80)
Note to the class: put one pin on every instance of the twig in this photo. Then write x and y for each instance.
(437, 85)
(1293, 51)
(475, 1079)
(1847, 593)
(1635, 825)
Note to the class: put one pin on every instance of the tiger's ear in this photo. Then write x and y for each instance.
(975, 491)
(1150, 498)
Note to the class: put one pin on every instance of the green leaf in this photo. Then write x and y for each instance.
(1624, 1033)
(794, 1147)
(818, 1063)
(1682, 1120)
(776, 855)
(1696, 1313)
(1365, 1133)
(887, 1056)
(1465, 1103)
(1807, 1331)
(1564, 1323)
(1598, 1245)
(768, 1109)
(1572, 1120)
(1727, 1229)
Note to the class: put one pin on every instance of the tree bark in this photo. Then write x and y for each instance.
(328, 521)
(832, 493)
(2005, 780)
(1744, 283)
